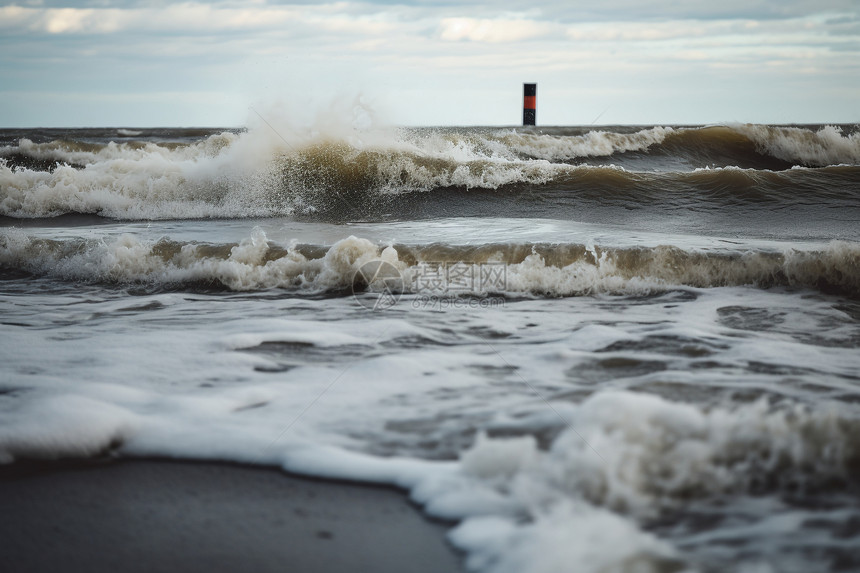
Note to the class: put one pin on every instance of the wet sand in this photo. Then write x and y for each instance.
(156, 515)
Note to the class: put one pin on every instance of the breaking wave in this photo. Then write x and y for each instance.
(530, 269)
(257, 173)
(636, 455)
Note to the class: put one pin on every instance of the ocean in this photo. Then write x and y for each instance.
(614, 348)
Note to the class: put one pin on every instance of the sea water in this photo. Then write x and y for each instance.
(626, 348)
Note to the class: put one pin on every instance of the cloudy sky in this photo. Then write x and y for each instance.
(423, 62)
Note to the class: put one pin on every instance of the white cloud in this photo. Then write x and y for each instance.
(187, 17)
(494, 31)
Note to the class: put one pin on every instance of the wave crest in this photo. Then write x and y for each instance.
(639, 456)
(256, 174)
(536, 269)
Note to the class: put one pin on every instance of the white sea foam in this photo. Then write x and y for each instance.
(217, 177)
(323, 387)
(247, 175)
(77, 427)
(597, 143)
(286, 169)
(558, 432)
(827, 146)
(249, 265)
(625, 457)
(635, 455)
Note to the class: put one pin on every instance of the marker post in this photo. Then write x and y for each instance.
(529, 104)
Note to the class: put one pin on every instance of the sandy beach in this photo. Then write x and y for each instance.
(157, 515)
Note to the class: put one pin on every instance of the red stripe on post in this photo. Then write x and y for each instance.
(529, 102)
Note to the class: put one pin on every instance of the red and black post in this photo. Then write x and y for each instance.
(529, 104)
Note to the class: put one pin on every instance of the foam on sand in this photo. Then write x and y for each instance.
(624, 458)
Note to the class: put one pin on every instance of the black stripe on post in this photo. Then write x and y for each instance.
(529, 104)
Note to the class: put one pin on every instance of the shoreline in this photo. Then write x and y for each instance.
(167, 515)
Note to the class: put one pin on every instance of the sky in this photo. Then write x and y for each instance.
(420, 62)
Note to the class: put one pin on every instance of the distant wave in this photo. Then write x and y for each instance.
(527, 269)
(255, 174)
